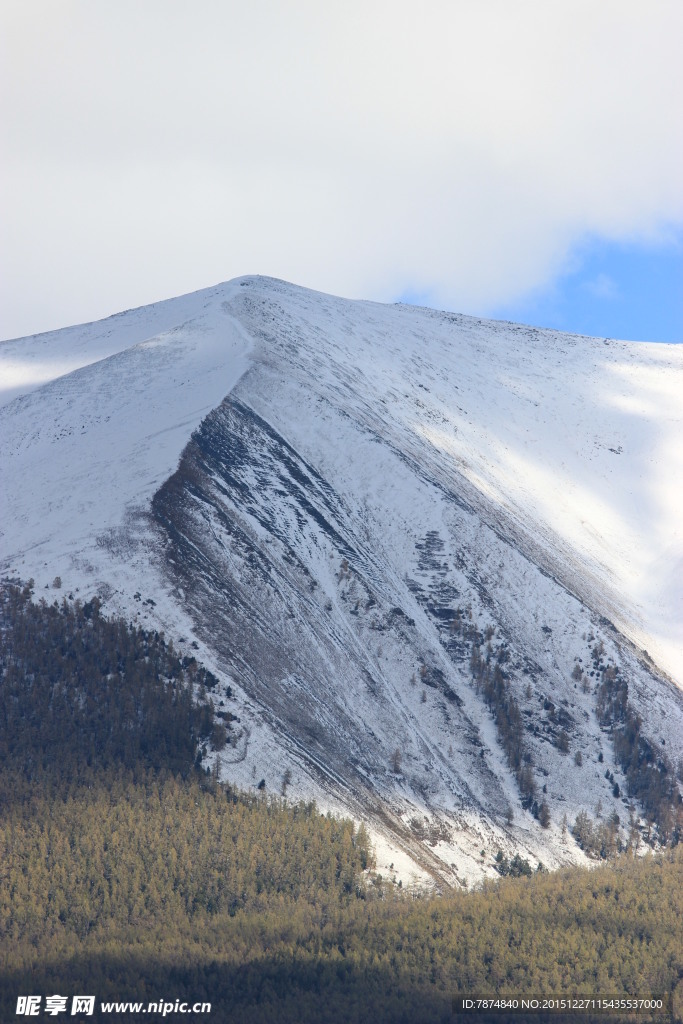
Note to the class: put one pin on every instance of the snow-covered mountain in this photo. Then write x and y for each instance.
(354, 513)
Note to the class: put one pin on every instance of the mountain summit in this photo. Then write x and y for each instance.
(436, 559)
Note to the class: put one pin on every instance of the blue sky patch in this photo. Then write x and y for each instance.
(631, 292)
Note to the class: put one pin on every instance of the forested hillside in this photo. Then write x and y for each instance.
(127, 871)
(83, 691)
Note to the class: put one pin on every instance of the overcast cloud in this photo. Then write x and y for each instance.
(459, 149)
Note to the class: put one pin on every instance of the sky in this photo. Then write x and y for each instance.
(506, 158)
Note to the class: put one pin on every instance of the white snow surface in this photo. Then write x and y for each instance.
(94, 419)
(566, 456)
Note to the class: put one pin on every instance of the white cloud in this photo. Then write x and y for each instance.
(458, 148)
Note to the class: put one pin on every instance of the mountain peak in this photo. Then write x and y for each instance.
(401, 535)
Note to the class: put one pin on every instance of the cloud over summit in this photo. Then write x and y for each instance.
(357, 148)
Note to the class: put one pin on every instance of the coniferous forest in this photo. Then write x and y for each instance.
(128, 872)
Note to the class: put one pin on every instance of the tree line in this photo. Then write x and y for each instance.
(80, 690)
(127, 871)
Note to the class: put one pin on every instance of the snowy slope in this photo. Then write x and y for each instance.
(577, 441)
(104, 413)
(311, 489)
